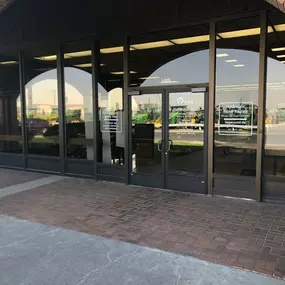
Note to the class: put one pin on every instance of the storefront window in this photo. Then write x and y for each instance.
(236, 107)
(169, 75)
(78, 102)
(169, 58)
(110, 100)
(10, 105)
(41, 103)
(274, 153)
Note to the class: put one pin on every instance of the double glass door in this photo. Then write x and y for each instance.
(169, 128)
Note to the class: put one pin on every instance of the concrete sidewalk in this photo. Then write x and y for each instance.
(32, 254)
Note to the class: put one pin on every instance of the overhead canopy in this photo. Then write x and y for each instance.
(280, 4)
(51, 21)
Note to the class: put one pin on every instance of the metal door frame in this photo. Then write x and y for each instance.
(165, 91)
(133, 177)
(205, 134)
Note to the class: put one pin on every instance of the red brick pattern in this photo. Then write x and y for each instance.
(236, 233)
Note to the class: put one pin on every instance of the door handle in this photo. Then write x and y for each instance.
(170, 145)
(159, 146)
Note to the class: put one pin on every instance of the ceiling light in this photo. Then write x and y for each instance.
(112, 50)
(8, 62)
(281, 56)
(282, 61)
(191, 40)
(239, 65)
(78, 54)
(278, 49)
(150, 78)
(280, 28)
(87, 65)
(240, 33)
(231, 60)
(152, 45)
(122, 72)
(222, 55)
(47, 58)
(84, 65)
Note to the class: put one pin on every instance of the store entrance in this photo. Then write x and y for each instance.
(169, 130)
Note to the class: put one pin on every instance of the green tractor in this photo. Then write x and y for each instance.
(177, 114)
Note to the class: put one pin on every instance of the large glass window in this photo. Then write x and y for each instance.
(274, 160)
(111, 109)
(168, 108)
(236, 107)
(172, 57)
(41, 103)
(10, 105)
(78, 102)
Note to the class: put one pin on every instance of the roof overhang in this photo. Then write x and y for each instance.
(280, 4)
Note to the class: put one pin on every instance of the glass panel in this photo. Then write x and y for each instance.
(236, 105)
(111, 145)
(274, 159)
(78, 102)
(172, 57)
(10, 105)
(147, 133)
(41, 103)
(186, 133)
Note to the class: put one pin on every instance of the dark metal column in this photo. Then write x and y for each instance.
(126, 108)
(261, 105)
(61, 109)
(95, 91)
(23, 107)
(211, 106)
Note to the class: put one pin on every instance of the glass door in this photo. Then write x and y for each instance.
(168, 134)
(186, 135)
(147, 158)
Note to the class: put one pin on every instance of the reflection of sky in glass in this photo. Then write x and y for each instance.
(234, 84)
(190, 68)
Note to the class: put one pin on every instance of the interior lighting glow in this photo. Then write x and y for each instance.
(190, 40)
(152, 45)
(230, 60)
(8, 62)
(222, 55)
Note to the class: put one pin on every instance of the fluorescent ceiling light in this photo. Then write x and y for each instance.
(279, 28)
(47, 58)
(281, 56)
(8, 62)
(83, 65)
(231, 60)
(222, 55)
(239, 65)
(191, 40)
(87, 65)
(278, 49)
(122, 72)
(240, 33)
(112, 50)
(152, 45)
(78, 54)
(150, 78)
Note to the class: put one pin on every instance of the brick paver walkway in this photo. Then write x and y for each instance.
(237, 233)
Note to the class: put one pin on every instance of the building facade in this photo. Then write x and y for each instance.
(187, 98)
